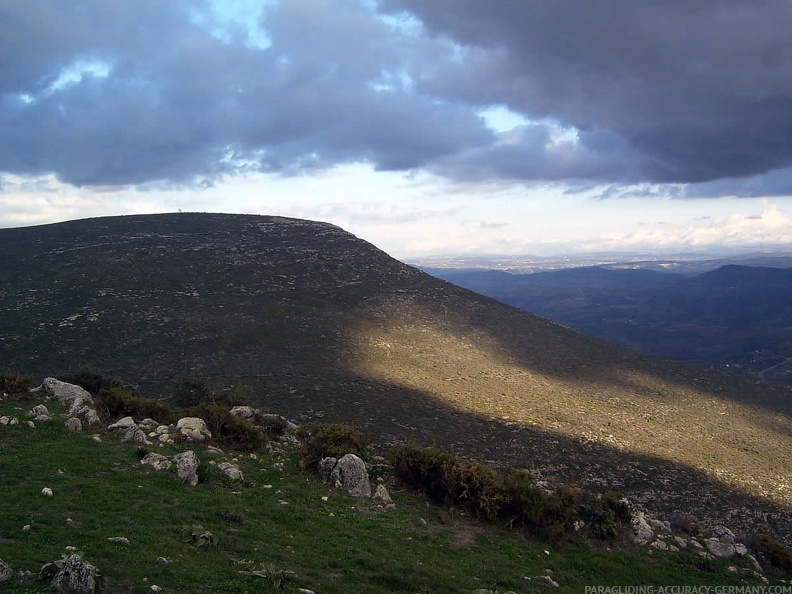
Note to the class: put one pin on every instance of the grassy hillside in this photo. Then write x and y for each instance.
(281, 519)
(309, 321)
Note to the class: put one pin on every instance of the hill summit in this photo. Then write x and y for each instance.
(304, 318)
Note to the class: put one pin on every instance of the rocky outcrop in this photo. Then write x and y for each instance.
(79, 402)
(75, 575)
(642, 531)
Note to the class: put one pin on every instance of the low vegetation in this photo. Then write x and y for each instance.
(281, 529)
(563, 514)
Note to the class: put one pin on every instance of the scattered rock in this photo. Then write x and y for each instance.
(232, 471)
(47, 492)
(148, 424)
(382, 493)
(73, 424)
(119, 540)
(325, 468)
(681, 542)
(75, 575)
(718, 548)
(193, 429)
(350, 473)
(156, 461)
(40, 414)
(124, 423)
(31, 424)
(659, 525)
(187, 467)
(642, 532)
(6, 572)
(155, 588)
(659, 545)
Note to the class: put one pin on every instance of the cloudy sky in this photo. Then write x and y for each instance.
(423, 126)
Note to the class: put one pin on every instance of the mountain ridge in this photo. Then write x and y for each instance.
(317, 324)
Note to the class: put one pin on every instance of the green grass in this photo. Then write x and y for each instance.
(337, 545)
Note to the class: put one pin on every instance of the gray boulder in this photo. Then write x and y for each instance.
(6, 572)
(642, 532)
(325, 467)
(73, 424)
(156, 461)
(232, 471)
(382, 493)
(350, 473)
(193, 429)
(719, 549)
(187, 467)
(66, 394)
(40, 414)
(75, 575)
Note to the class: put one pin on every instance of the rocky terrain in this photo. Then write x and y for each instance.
(308, 320)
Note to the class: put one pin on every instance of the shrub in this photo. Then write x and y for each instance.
(120, 403)
(448, 479)
(190, 390)
(776, 553)
(599, 516)
(514, 498)
(320, 440)
(14, 383)
(228, 429)
(90, 379)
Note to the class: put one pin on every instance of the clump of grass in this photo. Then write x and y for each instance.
(14, 384)
(320, 440)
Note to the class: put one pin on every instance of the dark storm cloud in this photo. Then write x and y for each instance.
(179, 103)
(104, 93)
(697, 90)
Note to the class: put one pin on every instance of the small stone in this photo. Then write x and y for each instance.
(155, 588)
(26, 528)
(73, 424)
(119, 540)
(659, 545)
(6, 572)
(382, 493)
(162, 561)
(70, 522)
(47, 492)
(31, 424)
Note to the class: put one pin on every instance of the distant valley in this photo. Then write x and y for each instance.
(735, 318)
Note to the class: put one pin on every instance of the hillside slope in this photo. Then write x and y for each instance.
(315, 323)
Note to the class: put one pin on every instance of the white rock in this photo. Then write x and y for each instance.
(47, 492)
(67, 394)
(382, 493)
(193, 429)
(642, 532)
(156, 461)
(119, 540)
(124, 423)
(187, 467)
(73, 424)
(350, 473)
(231, 471)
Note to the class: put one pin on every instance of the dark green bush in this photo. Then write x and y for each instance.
(320, 440)
(600, 517)
(229, 430)
(448, 479)
(117, 402)
(190, 390)
(514, 498)
(776, 553)
(90, 379)
(14, 383)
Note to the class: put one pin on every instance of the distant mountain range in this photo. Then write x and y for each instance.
(735, 318)
(304, 319)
